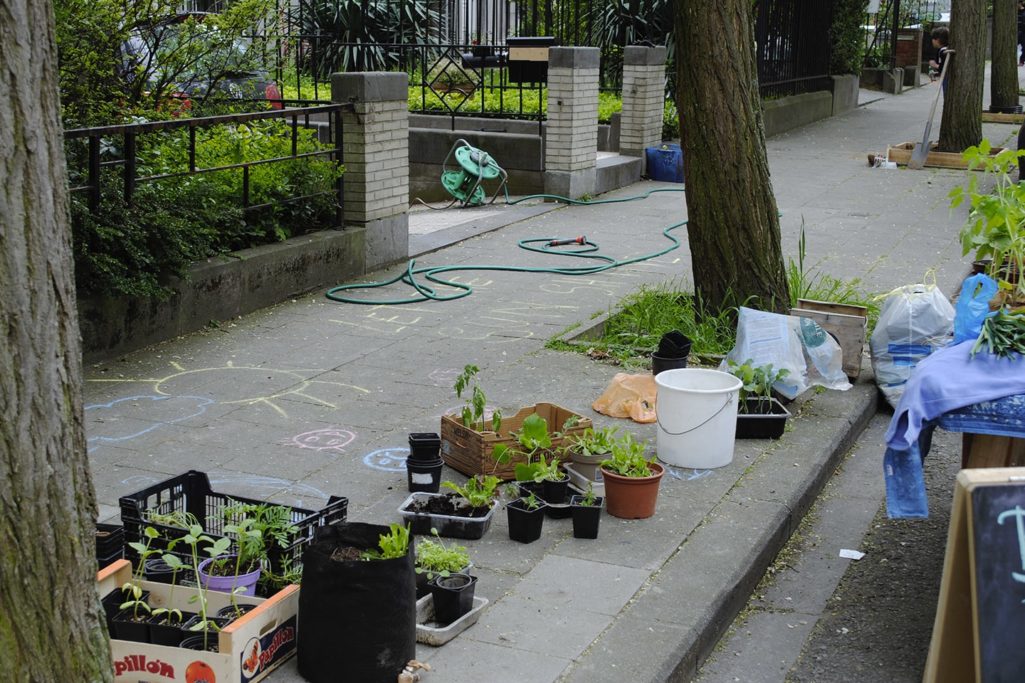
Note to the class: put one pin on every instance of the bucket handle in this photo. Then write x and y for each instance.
(729, 398)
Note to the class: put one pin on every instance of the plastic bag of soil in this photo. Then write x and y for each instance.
(357, 618)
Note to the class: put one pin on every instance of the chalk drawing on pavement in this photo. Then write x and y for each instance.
(328, 439)
(387, 459)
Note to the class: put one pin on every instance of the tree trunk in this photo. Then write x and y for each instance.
(51, 627)
(734, 228)
(961, 126)
(1003, 86)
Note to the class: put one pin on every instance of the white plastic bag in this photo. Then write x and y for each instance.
(915, 321)
(799, 345)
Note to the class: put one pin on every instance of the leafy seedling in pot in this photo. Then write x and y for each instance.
(478, 492)
(434, 558)
(473, 412)
(757, 380)
(533, 441)
(392, 545)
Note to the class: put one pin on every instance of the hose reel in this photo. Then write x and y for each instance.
(473, 166)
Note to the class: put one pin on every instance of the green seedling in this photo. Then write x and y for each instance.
(434, 558)
(478, 492)
(627, 458)
(392, 545)
(757, 380)
(473, 411)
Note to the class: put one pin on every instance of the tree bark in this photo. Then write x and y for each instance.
(51, 628)
(961, 126)
(1003, 86)
(734, 227)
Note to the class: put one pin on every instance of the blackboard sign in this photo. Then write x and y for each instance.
(998, 543)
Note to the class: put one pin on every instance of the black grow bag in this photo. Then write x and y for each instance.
(367, 608)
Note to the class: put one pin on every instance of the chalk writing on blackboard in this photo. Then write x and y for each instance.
(1018, 513)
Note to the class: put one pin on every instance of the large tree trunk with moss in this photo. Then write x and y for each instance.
(734, 228)
(961, 126)
(51, 628)
(1003, 86)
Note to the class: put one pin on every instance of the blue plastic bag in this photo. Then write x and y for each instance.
(973, 307)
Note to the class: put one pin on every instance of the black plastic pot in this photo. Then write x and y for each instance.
(424, 446)
(674, 344)
(162, 632)
(453, 596)
(524, 524)
(233, 612)
(424, 476)
(127, 629)
(160, 572)
(764, 419)
(662, 363)
(110, 540)
(112, 601)
(586, 518)
(555, 491)
(221, 622)
(206, 642)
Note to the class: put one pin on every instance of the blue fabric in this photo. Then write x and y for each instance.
(945, 381)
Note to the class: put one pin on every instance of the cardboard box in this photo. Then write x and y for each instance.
(249, 648)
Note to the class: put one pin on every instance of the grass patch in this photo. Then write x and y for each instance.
(819, 286)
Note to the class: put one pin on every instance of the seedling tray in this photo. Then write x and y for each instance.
(430, 633)
(250, 648)
(471, 452)
(769, 425)
(191, 492)
(450, 526)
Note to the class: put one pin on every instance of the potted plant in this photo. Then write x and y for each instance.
(358, 590)
(464, 513)
(995, 228)
(435, 559)
(526, 517)
(759, 415)
(586, 510)
(588, 449)
(554, 487)
(469, 440)
(452, 596)
(165, 624)
(238, 571)
(631, 480)
(131, 618)
(199, 628)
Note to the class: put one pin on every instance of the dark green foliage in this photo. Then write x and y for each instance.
(361, 36)
(847, 36)
(133, 249)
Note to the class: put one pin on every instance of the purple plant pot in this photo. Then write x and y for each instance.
(228, 584)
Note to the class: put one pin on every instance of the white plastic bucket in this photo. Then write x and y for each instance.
(697, 417)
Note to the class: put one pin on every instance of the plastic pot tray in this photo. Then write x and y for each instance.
(579, 482)
(450, 526)
(439, 635)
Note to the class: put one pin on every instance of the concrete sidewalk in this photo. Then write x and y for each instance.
(312, 398)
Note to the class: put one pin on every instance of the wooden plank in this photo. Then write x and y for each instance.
(901, 154)
(994, 117)
(986, 450)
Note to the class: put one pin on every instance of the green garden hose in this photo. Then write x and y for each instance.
(588, 250)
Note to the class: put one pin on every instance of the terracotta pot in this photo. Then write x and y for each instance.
(632, 497)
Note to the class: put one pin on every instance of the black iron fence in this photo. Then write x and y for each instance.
(792, 39)
(97, 155)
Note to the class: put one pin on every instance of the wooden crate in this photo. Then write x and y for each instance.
(995, 117)
(250, 648)
(846, 323)
(470, 451)
(901, 154)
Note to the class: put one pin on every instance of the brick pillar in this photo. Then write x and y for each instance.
(375, 150)
(571, 137)
(644, 79)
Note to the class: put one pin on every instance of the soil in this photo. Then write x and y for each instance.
(346, 553)
(227, 569)
(449, 504)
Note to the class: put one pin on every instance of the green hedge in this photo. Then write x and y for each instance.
(133, 249)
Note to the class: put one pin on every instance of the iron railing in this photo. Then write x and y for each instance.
(117, 147)
(792, 39)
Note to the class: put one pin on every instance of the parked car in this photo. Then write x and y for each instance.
(221, 68)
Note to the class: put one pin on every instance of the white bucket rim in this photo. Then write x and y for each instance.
(736, 383)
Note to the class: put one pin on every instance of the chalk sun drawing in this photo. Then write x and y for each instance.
(241, 385)
(387, 459)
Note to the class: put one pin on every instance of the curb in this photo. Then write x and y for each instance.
(676, 619)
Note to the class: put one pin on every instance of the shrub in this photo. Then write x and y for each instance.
(847, 36)
(133, 249)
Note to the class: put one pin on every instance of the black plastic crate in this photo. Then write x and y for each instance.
(110, 543)
(191, 493)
